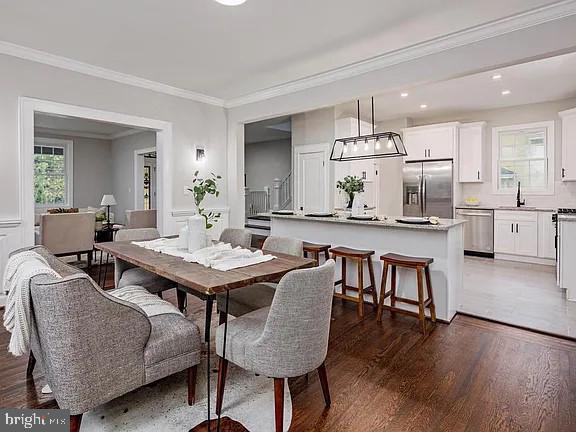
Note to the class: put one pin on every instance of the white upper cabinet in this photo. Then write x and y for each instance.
(470, 154)
(568, 144)
(431, 142)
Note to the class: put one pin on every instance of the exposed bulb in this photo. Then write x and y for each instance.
(377, 145)
(345, 149)
(390, 143)
(355, 148)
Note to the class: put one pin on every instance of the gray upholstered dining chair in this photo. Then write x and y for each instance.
(237, 237)
(256, 296)
(93, 347)
(287, 339)
(127, 274)
(141, 218)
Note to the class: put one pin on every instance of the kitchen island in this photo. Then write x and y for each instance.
(442, 242)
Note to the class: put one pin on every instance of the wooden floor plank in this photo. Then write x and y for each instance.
(472, 375)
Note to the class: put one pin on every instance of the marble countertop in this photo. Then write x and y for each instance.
(444, 225)
(505, 208)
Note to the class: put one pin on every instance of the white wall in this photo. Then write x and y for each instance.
(313, 128)
(266, 161)
(92, 163)
(123, 170)
(193, 124)
(523, 44)
(564, 192)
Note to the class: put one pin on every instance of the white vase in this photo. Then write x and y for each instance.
(183, 237)
(196, 233)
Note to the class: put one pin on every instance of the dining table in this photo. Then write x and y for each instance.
(206, 283)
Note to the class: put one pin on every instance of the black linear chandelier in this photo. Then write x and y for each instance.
(374, 146)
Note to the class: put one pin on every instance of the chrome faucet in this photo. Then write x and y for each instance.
(518, 202)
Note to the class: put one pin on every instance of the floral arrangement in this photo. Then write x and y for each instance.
(202, 187)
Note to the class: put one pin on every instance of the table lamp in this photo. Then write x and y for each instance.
(108, 200)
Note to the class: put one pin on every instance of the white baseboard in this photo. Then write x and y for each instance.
(525, 259)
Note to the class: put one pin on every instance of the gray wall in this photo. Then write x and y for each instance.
(92, 169)
(564, 192)
(265, 161)
(123, 169)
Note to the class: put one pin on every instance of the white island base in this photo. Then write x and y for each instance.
(443, 243)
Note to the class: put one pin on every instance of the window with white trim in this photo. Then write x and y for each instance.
(524, 154)
(52, 173)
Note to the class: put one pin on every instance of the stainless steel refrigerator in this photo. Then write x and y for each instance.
(428, 188)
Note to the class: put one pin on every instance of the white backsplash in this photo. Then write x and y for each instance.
(564, 196)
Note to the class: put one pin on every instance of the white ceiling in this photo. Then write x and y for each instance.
(538, 81)
(226, 52)
(72, 126)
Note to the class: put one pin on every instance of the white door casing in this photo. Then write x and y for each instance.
(27, 108)
(312, 177)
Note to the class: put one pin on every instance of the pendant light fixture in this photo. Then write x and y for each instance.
(375, 145)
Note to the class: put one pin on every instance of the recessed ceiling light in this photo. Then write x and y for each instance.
(403, 95)
(423, 106)
(506, 92)
(231, 2)
(496, 77)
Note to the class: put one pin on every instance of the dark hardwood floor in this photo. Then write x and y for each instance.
(472, 375)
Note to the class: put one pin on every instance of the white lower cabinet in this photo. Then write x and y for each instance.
(504, 237)
(516, 233)
(546, 236)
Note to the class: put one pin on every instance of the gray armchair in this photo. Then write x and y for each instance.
(127, 274)
(94, 347)
(237, 237)
(287, 339)
(252, 297)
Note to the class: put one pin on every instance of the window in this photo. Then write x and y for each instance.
(525, 154)
(52, 172)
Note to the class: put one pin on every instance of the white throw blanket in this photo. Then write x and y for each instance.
(151, 304)
(221, 256)
(20, 269)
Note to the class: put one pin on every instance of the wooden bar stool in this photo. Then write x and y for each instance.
(359, 256)
(315, 250)
(415, 263)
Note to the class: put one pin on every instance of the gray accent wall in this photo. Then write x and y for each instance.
(265, 161)
(123, 169)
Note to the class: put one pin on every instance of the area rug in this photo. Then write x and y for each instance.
(162, 406)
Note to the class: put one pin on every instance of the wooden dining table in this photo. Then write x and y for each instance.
(205, 283)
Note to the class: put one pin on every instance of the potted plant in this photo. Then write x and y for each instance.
(202, 187)
(351, 185)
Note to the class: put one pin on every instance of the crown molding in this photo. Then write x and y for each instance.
(126, 133)
(468, 36)
(38, 56)
(70, 133)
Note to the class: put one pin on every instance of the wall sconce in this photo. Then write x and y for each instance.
(200, 155)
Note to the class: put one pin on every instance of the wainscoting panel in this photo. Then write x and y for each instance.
(10, 239)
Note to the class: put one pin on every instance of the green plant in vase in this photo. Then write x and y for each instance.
(351, 185)
(202, 187)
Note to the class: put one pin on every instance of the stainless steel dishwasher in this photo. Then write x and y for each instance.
(478, 231)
